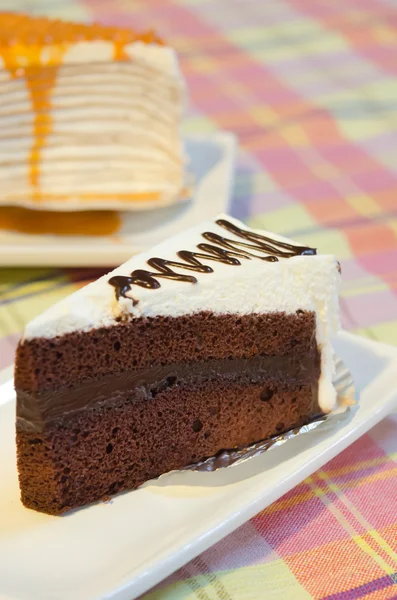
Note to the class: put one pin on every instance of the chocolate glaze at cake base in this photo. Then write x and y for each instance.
(153, 403)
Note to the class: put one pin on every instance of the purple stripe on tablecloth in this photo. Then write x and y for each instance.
(360, 476)
(245, 547)
(371, 182)
(364, 590)
(383, 435)
(381, 264)
(269, 201)
(353, 271)
(364, 309)
(314, 190)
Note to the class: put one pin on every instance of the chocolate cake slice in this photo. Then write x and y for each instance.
(217, 338)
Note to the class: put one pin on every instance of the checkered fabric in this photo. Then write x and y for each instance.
(310, 89)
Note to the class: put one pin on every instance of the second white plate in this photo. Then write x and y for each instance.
(211, 162)
(119, 550)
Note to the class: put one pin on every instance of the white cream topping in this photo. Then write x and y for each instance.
(115, 128)
(301, 282)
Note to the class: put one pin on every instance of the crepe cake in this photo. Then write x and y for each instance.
(215, 339)
(89, 116)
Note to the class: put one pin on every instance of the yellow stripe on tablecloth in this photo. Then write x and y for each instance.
(273, 578)
(361, 543)
(286, 503)
(16, 293)
(289, 502)
(379, 476)
(389, 474)
(289, 220)
(295, 135)
(14, 316)
(264, 115)
(203, 64)
(66, 10)
(346, 524)
(392, 223)
(385, 34)
(271, 44)
(328, 242)
(359, 287)
(199, 124)
(385, 332)
(353, 510)
(364, 205)
(357, 466)
(283, 220)
(260, 183)
(13, 276)
(364, 125)
(384, 545)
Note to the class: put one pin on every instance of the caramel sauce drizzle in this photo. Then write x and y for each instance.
(42, 222)
(221, 249)
(33, 49)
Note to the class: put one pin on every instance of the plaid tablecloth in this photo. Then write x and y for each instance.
(310, 88)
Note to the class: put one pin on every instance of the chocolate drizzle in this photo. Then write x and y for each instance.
(221, 249)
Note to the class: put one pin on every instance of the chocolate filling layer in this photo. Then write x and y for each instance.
(37, 410)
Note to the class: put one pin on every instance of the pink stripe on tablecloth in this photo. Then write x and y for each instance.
(360, 35)
(382, 435)
(363, 449)
(8, 346)
(365, 499)
(246, 542)
(282, 529)
(182, 21)
(383, 264)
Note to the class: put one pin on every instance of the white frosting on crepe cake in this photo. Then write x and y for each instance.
(301, 282)
(84, 128)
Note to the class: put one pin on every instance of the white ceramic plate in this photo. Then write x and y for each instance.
(120, 549)
(211, 162)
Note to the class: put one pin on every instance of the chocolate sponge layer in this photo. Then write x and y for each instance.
(157, 395)
(45, 364)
